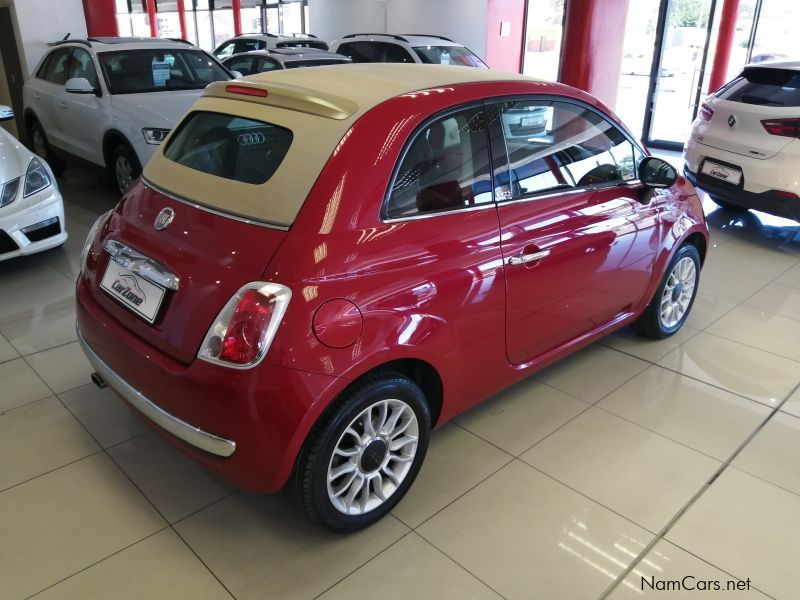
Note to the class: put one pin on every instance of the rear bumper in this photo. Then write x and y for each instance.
(188, 433)
(768, 202)
(246, 426)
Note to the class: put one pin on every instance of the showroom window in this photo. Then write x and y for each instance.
(445, 168)
(211, 22)
(541, 146)
(541, 55)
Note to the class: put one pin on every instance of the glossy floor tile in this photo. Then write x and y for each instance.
(693, 413)
(610, 444)
(637, 473)
(521, 531)
(160, 567)
(259, 547)
(748, 528)
(593, 372)
(520, 416)
(760, 375)
(411, 568)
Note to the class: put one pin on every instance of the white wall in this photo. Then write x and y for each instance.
(331, 19)
(42, 21)
(462, 20)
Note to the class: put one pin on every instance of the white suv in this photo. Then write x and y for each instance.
(247, 42)
(406, 48)
(744, 149)
(112, 101)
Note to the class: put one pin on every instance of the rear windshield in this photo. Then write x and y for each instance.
(448, 55)
(764, 86)
(140, 71)
(229, 147)
(303, 44)
(293, 64)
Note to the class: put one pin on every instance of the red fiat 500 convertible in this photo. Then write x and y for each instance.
(318, 267)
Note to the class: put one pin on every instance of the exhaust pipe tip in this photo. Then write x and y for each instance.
(98, 381)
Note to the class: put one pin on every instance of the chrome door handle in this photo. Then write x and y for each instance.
(62, 104)
(523, 259)
(37, 96)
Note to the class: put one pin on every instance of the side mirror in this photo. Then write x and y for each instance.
(6, 113)
(237, 74)
(79, 85)
(654, 174)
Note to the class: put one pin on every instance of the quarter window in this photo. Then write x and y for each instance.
(56, 71)
(445, 168)
(541, 146)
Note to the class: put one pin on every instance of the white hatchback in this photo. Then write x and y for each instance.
(112, 101)
(744, 150)
(31, 209)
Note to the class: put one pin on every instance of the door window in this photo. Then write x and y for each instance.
(56, 71)
(542, 146)
(446, 167)
(225, 50)
(267, 64)
(248, 45)
(244, 65)
(82, 66)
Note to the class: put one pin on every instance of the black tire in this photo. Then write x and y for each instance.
(729, 206)
(42, 147)
(651, 324)
(311, 471)
(124, 167)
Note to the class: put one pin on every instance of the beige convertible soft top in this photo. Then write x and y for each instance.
(318, 105)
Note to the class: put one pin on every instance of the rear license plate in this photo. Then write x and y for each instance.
(721, 172)
(139, 295)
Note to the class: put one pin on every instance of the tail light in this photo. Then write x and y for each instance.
(706, 112)
(783, 127)
(244, 329)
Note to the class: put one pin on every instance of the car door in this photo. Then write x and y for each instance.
(81, 115)
(50, 80)
(578, 246)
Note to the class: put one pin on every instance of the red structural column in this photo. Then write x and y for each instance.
(151, 16)
(182, 19)
(505, 33)
(722, 55)
(591, 47)
(236, 5)
(101, 18)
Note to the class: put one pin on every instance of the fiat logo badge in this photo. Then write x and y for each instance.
(731, 121)
(164, 218)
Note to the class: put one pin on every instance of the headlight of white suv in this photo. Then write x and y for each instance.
(155, 136)
(36, 178)
(9, 191)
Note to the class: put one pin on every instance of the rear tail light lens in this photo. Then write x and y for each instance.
(244, 329)
(783, 127)
(706, 112)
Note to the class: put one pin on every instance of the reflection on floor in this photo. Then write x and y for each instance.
(593, 474)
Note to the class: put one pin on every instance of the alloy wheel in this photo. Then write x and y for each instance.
(123, 170)
(678, 292)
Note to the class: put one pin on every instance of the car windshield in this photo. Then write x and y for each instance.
(449, 55)
(158, 70)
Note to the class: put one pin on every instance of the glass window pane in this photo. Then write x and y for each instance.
(169, 24)
(446, 167)
(223, 25)
(82, 66)
(543, 146)
(140, 25)
(124, 24)
(251, 20)
(778, 31)
(543, 38)
(205, 39)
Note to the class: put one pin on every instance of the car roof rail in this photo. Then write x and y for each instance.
(179, 40)
(391, 35)
(438, 37)
(87, 43)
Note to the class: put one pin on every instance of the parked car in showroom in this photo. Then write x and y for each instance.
(321, 265)
(744, 149)
(406, 48)
(112, 101)
(31, 208)
(247, 42)
(261, 61)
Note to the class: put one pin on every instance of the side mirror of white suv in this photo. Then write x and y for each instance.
(79, 85)
(6, 114)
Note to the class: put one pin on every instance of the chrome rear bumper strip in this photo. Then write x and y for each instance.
(180, 429)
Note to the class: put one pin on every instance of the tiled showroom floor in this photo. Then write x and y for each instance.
(631, 459)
